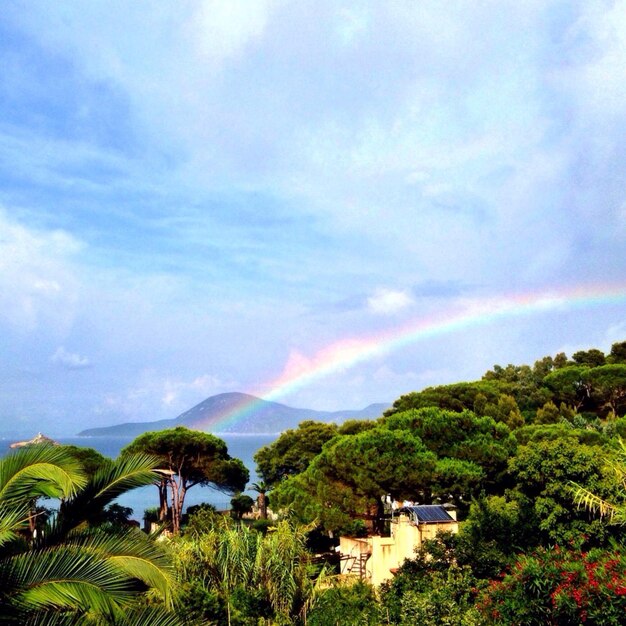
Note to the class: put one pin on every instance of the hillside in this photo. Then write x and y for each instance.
(238, 412)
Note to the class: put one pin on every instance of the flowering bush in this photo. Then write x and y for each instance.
(560, 587)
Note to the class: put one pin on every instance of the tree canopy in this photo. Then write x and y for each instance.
(292, 452)
(464, 436)
(189, 458)
(352, 474)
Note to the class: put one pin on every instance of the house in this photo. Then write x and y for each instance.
(376, 558)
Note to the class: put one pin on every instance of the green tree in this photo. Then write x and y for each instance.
(464, 436)
(543, 367)
(347, 604)
(189, 458)
(241, 504)
(609, 385)
(560, 360)
(456, 479)
(495, 531)
(548, 414)
(90, 460)
(534, 433)
(354, 427)
(456, 397)
(352, 474)
(618, 353)
(431, 589)
(292, 452)
(570, 385)
(542, 472)
(589, 358)
(261, 487)
(506, 410)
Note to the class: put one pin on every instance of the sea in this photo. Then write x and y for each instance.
(241, 446)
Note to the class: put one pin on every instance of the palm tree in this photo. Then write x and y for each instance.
(76, 572)
(261, 488)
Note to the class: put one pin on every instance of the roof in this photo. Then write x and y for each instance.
(427, 514)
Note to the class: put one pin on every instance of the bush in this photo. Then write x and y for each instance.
(448, 601)
(346, 604)
(201, 519)
(554, 586)
(262, 525)
(431, 589)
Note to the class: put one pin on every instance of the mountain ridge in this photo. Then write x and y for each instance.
(253, 416)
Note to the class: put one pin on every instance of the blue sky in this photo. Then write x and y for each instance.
(194, 194)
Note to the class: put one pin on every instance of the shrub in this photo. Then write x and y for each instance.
(346, 604)
(555, 586)
(431, 589)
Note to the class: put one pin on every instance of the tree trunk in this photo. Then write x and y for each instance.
(178, 499)
(175, 508)
(163, 509)
(262, 502)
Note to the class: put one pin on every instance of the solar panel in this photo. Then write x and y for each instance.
(427, 513)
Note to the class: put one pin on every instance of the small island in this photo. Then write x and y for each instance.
(37, 439)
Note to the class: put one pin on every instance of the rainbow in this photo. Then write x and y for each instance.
(345, 353)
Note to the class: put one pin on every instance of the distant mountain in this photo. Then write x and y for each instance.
(237, 413)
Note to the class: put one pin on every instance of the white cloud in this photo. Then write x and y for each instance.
(223, 28)
(70, 360)
(600, 73)
(388, 301)
(176, 391)
(352, 24)
(38, 282)
(157, 396)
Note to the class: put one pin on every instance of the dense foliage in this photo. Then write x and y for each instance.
(231, 574)
(530, 457)
(292, 452)
(555, 586)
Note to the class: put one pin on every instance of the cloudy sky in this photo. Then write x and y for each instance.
(194, 196)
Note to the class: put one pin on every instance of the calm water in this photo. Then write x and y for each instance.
(240, 446)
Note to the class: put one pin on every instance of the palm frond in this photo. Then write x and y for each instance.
(108, 483)
(132, 553)
(149, 616)
(41, 470)
(12, 520)
(126, 473)
(584, 498)
(76, 574)
(65, 578)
